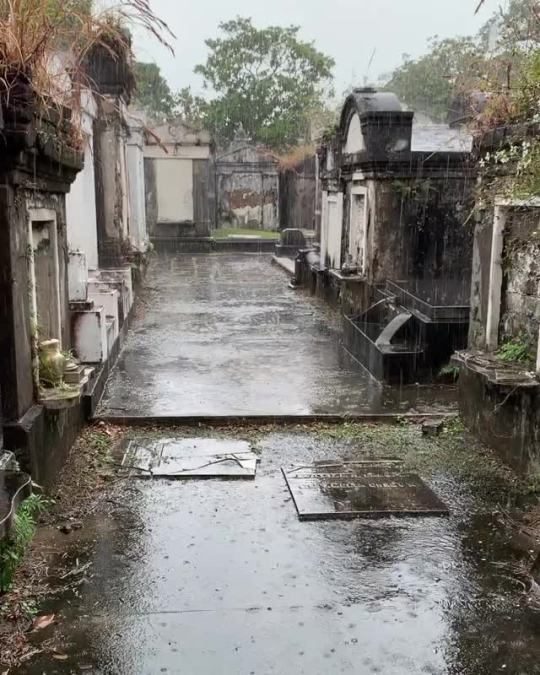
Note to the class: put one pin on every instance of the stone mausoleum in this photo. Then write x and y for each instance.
(396, 241)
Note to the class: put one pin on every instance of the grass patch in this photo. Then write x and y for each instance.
(449, 372)
(224, 232)
(453, 450)
(13, 547)
(100, 442)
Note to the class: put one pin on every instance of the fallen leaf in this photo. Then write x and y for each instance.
(43, 621)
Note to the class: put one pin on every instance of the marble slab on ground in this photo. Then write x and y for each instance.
(343, 490)
(190, 458)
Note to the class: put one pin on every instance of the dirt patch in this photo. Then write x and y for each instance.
(85, 483)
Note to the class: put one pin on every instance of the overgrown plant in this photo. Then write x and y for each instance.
(12, 548)
(44, 46)
(450, 371)
(517, 349)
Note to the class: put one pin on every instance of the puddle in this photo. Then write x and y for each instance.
(209, 344)
(187, 579)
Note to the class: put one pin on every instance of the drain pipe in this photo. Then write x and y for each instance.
(15, 486)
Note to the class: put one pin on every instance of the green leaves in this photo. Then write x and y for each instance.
(24, 528)
(153, 93)
(518, 349)
(265, 80)
(428, 84)
(493, 61)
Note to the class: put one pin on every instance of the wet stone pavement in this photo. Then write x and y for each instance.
(202, 577)
(225, 335)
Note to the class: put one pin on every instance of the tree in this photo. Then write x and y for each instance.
(190, 108)
(429, 84)
(513, 28)
(153, 94)
(494, 61)
(265, 80)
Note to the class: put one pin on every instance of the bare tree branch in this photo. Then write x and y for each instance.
(479, 6)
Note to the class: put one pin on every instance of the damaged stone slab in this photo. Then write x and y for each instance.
(333, 489)
(190, 458)
(496, 371)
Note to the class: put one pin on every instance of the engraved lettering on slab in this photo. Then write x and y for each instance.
(335, 489)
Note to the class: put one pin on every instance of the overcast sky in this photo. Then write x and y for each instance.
(347, 30)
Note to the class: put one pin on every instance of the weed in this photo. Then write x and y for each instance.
(455, 427)
(449, 372)
(101, 443)
(12, 548)
(14, 610)
(34, 32)
(518, 349)
(454, 452)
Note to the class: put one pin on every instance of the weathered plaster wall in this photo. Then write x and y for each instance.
(355, 139)
(520, 292)
(248, 200)
(109, 170)
(150, 195)
(505, 305)
(412, 230)
(136, 185)
(247, 188)
(18, 324)
(506, 418)
(111, 185)
(204, 194)
(123, 186)
(179, 185)
(480, 273)
(81, 199)
(175, 190)
(331, 229)
(299, 202)
(419, 230)
(520, 301)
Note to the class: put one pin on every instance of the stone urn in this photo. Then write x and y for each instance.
(51, 363)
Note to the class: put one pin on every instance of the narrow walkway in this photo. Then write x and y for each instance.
(225, 335)
(219, 577)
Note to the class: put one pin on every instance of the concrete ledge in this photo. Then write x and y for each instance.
(240, 420)
(505, 416)
(94, 392)
(248, 245)
(182, 245)
(41, 440)
(210, 245)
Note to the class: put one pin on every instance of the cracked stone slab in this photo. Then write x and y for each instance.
(344, 490)
(190, 458)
